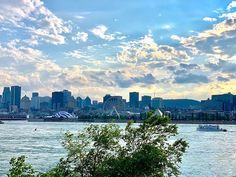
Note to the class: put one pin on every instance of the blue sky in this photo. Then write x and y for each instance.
(171, 48)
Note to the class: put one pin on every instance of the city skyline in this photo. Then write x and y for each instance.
(97, 48)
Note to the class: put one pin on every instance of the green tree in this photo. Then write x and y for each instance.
(143, 150)
(19, 168)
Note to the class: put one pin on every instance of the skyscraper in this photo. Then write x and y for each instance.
(157, 102)
(6, 98)
(15, 96)
(134, 99)
(25, 103)
(87, 102)
(146, 101)
(79, 102)
(57, 101)
(66, 98)
(35, 101)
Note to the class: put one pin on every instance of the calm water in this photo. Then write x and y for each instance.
(210, 153)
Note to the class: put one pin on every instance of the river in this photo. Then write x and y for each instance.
(210, 154)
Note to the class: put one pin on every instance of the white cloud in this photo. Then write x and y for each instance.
(231, 5)
(101, 32)
(80, 36)
(80, 17)
(175, 37)
(33, 16)
(167, 26)
(146, 49)
(209, 19)
(78, 54)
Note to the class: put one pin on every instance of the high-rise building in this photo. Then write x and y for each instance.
(157, 102)
(15, 96)
(6, 98)
(87, 102)
(45, 103)
(146, 101)
(25, 103)
(35, 101)
(227, 100)
(66, 98)
(79, 102)
(57, 101)
(134, 99)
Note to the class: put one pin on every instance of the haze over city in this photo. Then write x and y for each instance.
(97, 47)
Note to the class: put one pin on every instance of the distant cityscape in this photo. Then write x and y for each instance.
(220, 106)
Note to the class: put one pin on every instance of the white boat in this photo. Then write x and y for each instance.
(210, 128)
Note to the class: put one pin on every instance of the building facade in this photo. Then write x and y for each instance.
(15, 97)
(134, 99)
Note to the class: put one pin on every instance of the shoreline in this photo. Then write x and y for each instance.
(233, 122)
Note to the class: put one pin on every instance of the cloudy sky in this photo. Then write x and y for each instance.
(171, 48)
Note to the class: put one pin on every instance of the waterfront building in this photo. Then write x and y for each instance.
(87, 102)
(25, 103)
(157, 103)
(57, 101)
(211, 105)
(35, 101)
(15, 97)
(134, 99)
(6, 98)
(226, 99)
(146, 101)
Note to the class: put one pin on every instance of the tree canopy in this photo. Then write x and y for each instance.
(143, 150)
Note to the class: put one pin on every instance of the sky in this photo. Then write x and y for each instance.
(169, 49)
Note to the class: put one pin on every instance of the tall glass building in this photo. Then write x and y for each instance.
(6, 98)
(15, 96)
(57, 101)
(134, 99)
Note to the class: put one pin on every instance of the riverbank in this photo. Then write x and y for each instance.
(136, 121)
(232, 122)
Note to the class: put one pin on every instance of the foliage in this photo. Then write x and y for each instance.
(19, 168)
(108, 151)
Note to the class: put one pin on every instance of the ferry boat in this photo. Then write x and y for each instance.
(210, 128)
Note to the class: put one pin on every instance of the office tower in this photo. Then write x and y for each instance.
(15, 97)
(79, 102)
(87, 102)
(66, 98)
(25, 103)
(6, 98)
(45, 103)
(57, 101)
(134, 99)
(35, 101)
(157, 102)
(146, 101)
